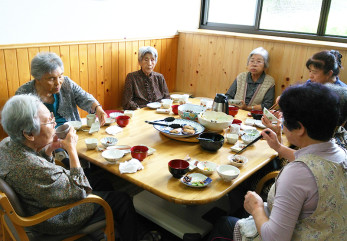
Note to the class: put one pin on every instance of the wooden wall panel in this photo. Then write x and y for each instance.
(99, 67)
(208, 63)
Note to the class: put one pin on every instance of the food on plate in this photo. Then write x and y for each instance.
(188, 127)
(176, 131)
(237, 160)
(188, 131)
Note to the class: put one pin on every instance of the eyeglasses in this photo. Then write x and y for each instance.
(51, 120)
(257, 62)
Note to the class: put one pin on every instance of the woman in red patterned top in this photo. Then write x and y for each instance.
(145, 85)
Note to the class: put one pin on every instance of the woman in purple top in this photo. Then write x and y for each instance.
(324, 67)
(317, 173)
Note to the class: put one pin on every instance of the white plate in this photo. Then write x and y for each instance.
(163, 111)
(124, 148)
(238, 146)
(196, 178)
(198, 128)
(94, 128)
(114, 115)
(154, 105)
(259, 124)
(238, 157)
(250, 121)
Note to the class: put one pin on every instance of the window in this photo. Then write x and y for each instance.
(313, 19)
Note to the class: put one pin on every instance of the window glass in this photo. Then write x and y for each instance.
(291, 15)
(233, 12)
(336, 23)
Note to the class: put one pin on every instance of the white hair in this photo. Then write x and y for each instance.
(148, 49)
(20, 114)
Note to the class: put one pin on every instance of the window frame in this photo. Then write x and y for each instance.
(320, 35)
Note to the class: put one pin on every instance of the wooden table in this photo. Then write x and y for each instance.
(156, 178)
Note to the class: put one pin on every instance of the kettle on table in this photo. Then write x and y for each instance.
(220, 103)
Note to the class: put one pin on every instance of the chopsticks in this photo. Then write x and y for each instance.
(251, 143)
(274, 106)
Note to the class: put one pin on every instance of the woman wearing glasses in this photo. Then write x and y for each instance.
(254, 88)
(58, 92)
(27, 165)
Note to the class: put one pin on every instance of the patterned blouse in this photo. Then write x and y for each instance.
(70, 95)
(40, 184)
(140, 89)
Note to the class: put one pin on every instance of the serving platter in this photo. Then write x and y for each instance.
(166, 130)
(196, 180)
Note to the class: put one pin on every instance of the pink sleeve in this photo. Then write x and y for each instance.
(296, 189)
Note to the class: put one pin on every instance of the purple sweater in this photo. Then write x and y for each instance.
(297, 192)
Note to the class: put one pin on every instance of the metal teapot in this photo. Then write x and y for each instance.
(220, 103)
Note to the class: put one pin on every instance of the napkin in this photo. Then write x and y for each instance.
(112, 130)
(130, 166)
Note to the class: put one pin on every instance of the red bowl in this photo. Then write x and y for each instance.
(123, 120)
(233, 110)
(178, 167)
(139, 152)
(175, 109)
(237, 121)
(257, 114)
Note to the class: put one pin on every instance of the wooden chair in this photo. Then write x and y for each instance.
(260, 185)
(13, 221)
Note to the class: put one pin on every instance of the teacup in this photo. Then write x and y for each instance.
(166, 103)
(91, 119)
(183, 99)
(62, 131)
(174, 109)
(232, 138)
(235, 129)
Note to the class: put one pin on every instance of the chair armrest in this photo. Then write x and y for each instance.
(264, 179)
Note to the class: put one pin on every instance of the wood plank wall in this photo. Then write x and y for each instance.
(208, 63)
(99, 68)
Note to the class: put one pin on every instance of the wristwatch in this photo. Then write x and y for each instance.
(252, 107)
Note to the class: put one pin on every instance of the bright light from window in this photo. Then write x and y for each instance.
(232, 12)
(336, 22)
(291, 15)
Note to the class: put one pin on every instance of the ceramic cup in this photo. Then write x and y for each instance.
(235, 129)
(62, 131)
(166, 103)
(183, 99)
(232, 138)
(91, 119)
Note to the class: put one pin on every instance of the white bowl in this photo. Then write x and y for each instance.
(175, 97)
(240, 160)
(114, 115)
(228, 172)
(207, 167)
(109, 121)
(108, 141)
(75, 124)
(91, 143)
(190, 111)
(112, 155)
(215, 121)
(232, 138)
(249, 137)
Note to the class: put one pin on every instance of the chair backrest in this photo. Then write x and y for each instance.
(12, 197)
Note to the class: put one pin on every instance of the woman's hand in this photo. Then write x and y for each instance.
(70, 141)
(277, 128)
(242, 106)
(53, 146)
(253, 202)
(271, 138)
(101, 115)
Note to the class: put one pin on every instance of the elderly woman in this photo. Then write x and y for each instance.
(308, 200)
(28, 167)
(324, 67)
(58, 92)
(254, 88)
(145, 85)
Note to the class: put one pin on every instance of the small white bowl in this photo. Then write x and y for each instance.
(91, 143)
(114, 115)
(75, 124)
(112, 155)
(240, 160)
(228, 172)
(109, 121)
(207, 167)
(175, 97)
(109, 141)
(232, 138)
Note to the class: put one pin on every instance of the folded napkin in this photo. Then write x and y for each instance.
(130, 166)
(112, 130)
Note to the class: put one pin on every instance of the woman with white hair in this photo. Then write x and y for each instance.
(27, 165)
(58, 92)
(254, 88)
(145, 85)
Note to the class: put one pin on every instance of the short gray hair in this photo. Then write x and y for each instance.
(20, 114)
(342, 94)
(263, 53)
(148, 49)
(45, 62)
